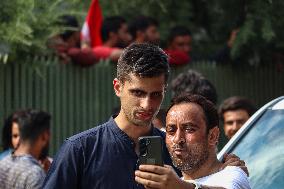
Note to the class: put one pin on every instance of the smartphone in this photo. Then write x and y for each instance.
(151, 150)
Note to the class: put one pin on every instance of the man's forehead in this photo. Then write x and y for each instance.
(186, 109)
(147, 84)
(133, 77)
(236, 114)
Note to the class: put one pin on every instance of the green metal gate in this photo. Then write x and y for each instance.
(80, 98)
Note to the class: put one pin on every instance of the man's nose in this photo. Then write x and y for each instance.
(179, 137)
(235, 125)
(146, 103)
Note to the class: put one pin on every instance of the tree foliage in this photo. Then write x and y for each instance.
(25, 25)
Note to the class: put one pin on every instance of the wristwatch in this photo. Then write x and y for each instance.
(197, 185)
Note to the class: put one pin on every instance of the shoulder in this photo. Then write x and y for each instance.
(86, 139)
(5, 159)
(235, 177)
(35, 171)
(234, 171)
(5, 153)
(90, 133)
(6, 163)
(28, 170)
(35, 177)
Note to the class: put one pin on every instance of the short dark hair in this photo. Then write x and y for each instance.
(210, 112)
(178, 31)
(236, 103)
(144, 60)
(141, 23)
(193, 82)
(31, 123)
(7, 133)
(111, 24)
(71, 23)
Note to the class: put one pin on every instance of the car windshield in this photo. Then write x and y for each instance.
(262, 148)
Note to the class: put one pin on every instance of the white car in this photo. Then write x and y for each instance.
(260, 143)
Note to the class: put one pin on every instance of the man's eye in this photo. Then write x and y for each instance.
(157, 94)
(170, 129)
(137, 93)
(229, 123)
(190, 129)
(240, 122)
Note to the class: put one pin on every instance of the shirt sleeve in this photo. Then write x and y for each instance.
(236, 178)
(65, 170)
(102, 52)
(35, 178)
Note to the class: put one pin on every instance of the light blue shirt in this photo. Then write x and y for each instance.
(5, 153)
(21, 172)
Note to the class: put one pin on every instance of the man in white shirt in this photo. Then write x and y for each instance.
(192, 134)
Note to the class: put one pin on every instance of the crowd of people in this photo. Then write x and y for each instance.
(106, 155)
(116, 33)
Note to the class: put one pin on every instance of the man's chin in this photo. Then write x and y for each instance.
(177, 159)
(139, 123)
(142, 122)
(179, 163)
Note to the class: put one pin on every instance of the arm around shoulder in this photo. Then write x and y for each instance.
(235, 178)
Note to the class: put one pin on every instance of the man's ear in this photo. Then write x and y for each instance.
(45, 136)
(213, 136)
(117, 87)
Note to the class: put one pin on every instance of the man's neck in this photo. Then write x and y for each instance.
(211, 166)
(25, 149)
(133, 131)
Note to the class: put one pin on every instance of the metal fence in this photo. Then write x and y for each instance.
(80, 98)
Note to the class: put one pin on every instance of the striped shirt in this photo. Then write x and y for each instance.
(20, 172)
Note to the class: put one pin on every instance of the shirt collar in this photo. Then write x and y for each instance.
(114, 127)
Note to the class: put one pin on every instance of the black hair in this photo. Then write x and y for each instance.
(111, 24)
(31, 123)
(236, 103)
(7, 133)
(193, 82)
(210, 112)
(144, 60)
(68, 21)
(141, 23)
(178, 31)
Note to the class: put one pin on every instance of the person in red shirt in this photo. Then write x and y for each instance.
(179, 45)
(115, 37)
(67, 44)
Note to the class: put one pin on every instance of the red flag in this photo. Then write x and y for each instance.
(91, 31)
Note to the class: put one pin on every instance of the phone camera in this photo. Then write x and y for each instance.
(147, 142)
